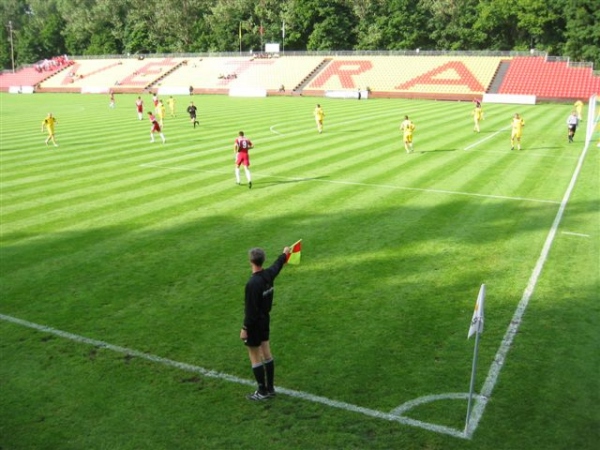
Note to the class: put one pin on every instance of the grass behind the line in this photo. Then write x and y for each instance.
(144, 246)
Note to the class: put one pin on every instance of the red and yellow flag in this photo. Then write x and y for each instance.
(294, 256)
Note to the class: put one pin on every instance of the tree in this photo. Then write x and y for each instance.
(268, 15)
(498, 22)
(392, 25)
(451, 22)
(44, 28)
(176, 24)
(544, 24)
(522, 24)
(79, 20)
(229, 22)
(321, 25)
(51, 37)
(12, 13)
(582, 31)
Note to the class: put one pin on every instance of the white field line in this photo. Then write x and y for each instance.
(428, 399)
(481, 141)
(355, 183)
(515, 322)
(394, 416)
(273, 130)
(514, 152)
(571, 233)
(525, 152)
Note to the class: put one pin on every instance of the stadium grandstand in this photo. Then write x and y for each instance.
(434, 75)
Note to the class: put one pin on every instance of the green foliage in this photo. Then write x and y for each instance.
(28, 46)
(583, 32)
(394, 25)
(451, 24)
(51, 35)
(138, 41)
(79, 24)
(103, 43)
(5, 48)
(324, 24)
(44, 28)
(522, 25)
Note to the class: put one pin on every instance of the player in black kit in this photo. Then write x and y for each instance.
(256, 328)
(191, 110)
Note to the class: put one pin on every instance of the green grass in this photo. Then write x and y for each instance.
(144, 246)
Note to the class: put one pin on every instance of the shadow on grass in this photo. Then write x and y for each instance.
(437, 150)
(405, 276)
(136, 259)
(288, 181)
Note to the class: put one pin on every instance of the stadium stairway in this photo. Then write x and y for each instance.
(164, 75)
(409, 76)
(306, 80)
(494, 87)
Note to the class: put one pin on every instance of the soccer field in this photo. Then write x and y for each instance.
(123, 265)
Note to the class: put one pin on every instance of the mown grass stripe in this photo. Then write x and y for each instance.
(395, 240)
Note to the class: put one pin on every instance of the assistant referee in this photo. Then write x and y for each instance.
(257, 309)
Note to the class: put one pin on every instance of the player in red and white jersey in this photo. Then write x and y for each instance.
(139, 106)
(155, 128)
(241, 147)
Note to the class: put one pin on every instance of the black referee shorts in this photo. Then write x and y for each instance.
(258, 333)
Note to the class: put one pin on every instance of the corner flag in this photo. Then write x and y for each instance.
(294, 256)
(476, 329)
(477, 320)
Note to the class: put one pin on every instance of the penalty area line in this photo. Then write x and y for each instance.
(392, 417)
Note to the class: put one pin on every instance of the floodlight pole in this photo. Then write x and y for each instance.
(12, 47)
(283, 38)
(472, 385)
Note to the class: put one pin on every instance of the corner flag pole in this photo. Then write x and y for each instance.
(475, 328)
(472, 386)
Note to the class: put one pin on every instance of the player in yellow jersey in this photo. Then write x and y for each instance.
(171, 103)
(161, 111)
(319, 116)
(579, 108)
(477, 117)
(407, 128)
(517, 130)
(48, 123)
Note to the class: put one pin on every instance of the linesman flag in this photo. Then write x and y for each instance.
(477, 320)
(294, 256)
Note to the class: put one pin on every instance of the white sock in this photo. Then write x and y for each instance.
(248, 177)
(237, 174)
